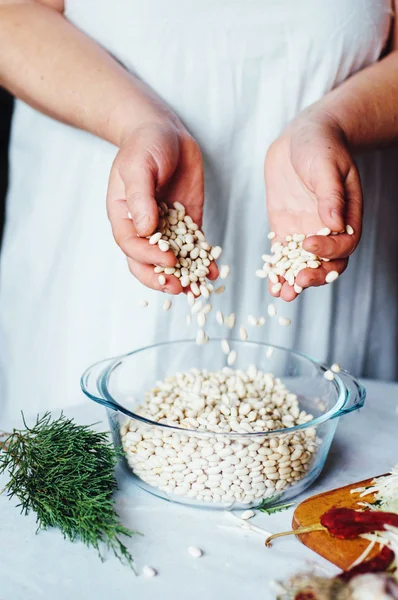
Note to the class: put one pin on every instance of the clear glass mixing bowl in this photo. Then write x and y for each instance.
(239, 470)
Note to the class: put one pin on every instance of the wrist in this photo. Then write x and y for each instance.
(136, 111)
(318, 120)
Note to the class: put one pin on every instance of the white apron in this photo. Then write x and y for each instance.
(236, 72)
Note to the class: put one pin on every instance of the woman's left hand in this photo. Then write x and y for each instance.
(312, 182)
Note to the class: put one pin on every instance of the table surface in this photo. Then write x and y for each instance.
(235, 562)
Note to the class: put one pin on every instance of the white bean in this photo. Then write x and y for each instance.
(167, 305)
(149, 571)
(155, 238)
(242, 333)
(232, 356)
(284, 321)
(225, 346)
(329, 375)
(331, 276)
(195, 552)
(224, 271)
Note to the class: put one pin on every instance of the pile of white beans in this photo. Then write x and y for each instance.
(177, 232)
(289, 258)
(216, 461)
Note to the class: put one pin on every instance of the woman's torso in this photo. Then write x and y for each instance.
(235, 72)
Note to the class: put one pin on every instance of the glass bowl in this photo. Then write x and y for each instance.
(212, 469)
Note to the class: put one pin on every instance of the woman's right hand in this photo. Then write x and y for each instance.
(160, 161)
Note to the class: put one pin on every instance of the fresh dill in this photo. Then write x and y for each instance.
(64, 472)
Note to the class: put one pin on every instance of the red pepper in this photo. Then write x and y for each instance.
(377, 564)
(346, 523)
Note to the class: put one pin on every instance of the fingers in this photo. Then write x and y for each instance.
(141, 255)
(308, 278)
(343, 244)
(286, 292)
(130, 192)
(145, 273)
(148, 277)
(332, 246)
(132, 246)
(328, 187)
(339, 204)
(145, 162)
(316, 277)
(140, 197)
(354, 203)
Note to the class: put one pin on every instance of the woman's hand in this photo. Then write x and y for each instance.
(312, 182)
(157, 162)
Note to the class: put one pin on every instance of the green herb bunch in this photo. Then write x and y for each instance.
(64, 472)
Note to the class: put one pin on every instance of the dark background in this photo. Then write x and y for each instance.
(5, 119)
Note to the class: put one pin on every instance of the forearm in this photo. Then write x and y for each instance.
(365, 106)
(51, 65)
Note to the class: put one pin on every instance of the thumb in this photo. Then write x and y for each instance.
(148, 163)
(328, 186)
(140, 183)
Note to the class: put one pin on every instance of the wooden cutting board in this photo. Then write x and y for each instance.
(341, 553)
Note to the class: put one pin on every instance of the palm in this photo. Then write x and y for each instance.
(292, 206)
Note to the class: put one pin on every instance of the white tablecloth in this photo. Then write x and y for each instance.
(235, 563)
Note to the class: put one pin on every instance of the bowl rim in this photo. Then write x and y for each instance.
(335, 411)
